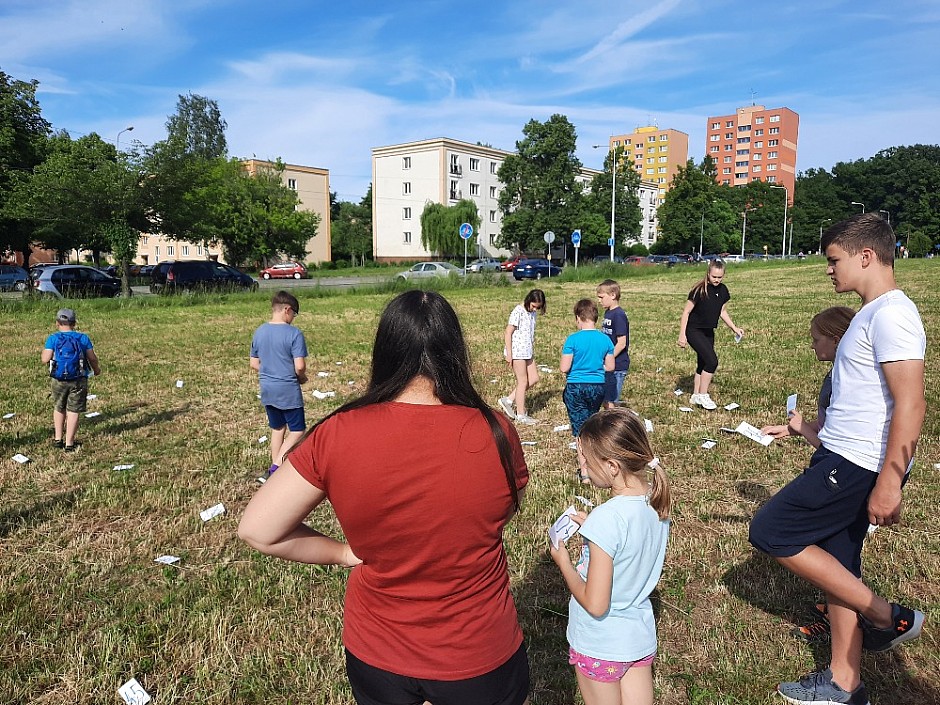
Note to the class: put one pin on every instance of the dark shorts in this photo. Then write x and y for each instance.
(826, 506)
(292, 418)
(613, 384)
(505, 685)
(582, 400)
(70, 395)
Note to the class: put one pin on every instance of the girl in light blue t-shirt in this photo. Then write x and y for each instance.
(611, 628)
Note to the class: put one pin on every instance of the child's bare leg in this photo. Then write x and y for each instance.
(703, 380)
(522, 383)
(597, 693)
(58, 420)
(71, 427)
(636, 687)
(289, 442)
(277, 441)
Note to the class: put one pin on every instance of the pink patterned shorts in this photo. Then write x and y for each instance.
(604, 671)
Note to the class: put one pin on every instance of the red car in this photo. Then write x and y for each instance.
(287, 270)
(510, 264)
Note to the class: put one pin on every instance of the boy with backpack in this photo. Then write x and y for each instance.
(69, 355)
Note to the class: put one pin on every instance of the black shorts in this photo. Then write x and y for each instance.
(504, 685)
(826, 506)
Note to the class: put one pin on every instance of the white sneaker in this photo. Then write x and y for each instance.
(695, 399)
(505, 404)
(525, 419)
(706, 402)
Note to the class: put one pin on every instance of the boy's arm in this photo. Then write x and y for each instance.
(255, 363)
(300, 369)
(610, 362)
(93, 361)
(905, 380)
(565, 364)
(46, 356)
(620, 345)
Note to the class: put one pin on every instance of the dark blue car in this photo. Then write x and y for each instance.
(535, 269)
(12, 278)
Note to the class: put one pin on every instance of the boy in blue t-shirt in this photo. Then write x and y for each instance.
(616, 326)
(69, 387)
(278, 354)
(585, 357)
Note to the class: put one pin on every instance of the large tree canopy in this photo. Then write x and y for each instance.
(440, 226)
(596, 207)
(351, 227)
(197, 127)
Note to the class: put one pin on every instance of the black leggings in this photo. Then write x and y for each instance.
(702, 341)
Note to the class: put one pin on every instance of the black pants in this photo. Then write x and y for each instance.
(702, 341)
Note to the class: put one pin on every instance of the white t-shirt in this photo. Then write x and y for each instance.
(523, 338)
(887, 329)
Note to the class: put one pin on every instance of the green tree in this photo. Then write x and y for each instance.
(198, 128)
(597, 201)
(540, 187)
(698, 212)
(351, 228)
(440, 226)
(919, 244)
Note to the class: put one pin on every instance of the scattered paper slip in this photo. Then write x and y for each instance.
(211, 512)
(91, 397)
(92, 414)
(562, 427)
(340, 363)
(133, 693)
(323, 374)
(791, 405)
(678, 392)
(129, 466)
(659, 369)
(167, 560)
(527, 443)
(179, 385)
(322, 395)
(350, 383)
(732, 406)
(709, 444)
(10, 415)
(262, 439)
(686, 409)
(20, 458)
(573, 445)
(262, 480)
(649, 425)
(936, 466)
(728, 430)
(564, 527)
(738, 337)
(752, 432)
(584, 500)
(543, 368)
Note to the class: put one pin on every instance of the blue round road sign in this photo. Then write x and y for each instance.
(576, 237)
(466, 231)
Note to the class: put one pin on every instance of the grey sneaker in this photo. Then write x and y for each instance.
(818, 689)
(525, 419)
(907, 626)
(505, 403)
(706, 402)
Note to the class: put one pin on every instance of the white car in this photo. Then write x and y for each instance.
(733, 259)
(428, 270)
(485, 264)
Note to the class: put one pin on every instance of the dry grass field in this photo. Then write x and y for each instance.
(84, 607)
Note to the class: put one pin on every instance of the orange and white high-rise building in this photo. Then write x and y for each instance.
(657, 154)
(755, 144)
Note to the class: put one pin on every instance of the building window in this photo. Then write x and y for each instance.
(474, 189)
(771, 179)
(406, 237)
(156, 250)
(492, 216)
(756, 157)
(774, 130)
(716, 125)
(185, 249)
(729, 135)
(663, 160)
(744, 128)
(775, 118)
(730, 123)
(651, 150)
(759, 120)
(726, 170)
(292, 184)
(455, 165)
(406, 162)
(493, 192)
(199, 249)
(773, 143)
(662, 170)
(454, 191)
(494, 167)
(758, 133)
(759, 144)
(664, 148)
(771, 167)
(664, 138)
(727, 160)
(406, 187)
(744, 140)
(755, 168)
(170, 250)
(650, 160)
(651, 138)
(650, 171)
(713, 149)
(406, 213)
(771, 155)
(743, 152)
(739, 175)
(146, 239)
(728, 147)
(714, 138)
(726, 182)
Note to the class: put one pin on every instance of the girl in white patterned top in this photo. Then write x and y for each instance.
(519, 351)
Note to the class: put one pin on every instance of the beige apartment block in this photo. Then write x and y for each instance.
(656, 154)
(153, 249)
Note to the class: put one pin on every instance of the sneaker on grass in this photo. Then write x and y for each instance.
(525, 420)
(907, 625)
(505, 403)
(705, 402)
(819, 689)
(815, 632)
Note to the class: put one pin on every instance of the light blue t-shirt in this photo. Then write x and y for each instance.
(589, 348)
(632, 534)
(276, 345)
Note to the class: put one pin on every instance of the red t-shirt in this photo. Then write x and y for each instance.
(422, 498)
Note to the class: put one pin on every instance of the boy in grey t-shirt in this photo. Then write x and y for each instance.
(278, 354)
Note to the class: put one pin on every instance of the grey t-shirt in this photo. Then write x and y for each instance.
(276, 345)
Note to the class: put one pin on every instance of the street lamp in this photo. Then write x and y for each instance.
(744, 228)
(856, 203)
(613, 194)
(880, 210)
(827, 220)
(786, 200)
(117, 140)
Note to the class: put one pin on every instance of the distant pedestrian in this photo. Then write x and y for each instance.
(707, 304)
(71, 359)
(519, 351)
(279, 356)
(616, 326)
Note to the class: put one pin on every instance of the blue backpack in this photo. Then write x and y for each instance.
(68, 358)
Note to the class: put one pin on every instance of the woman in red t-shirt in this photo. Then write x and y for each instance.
(423, 475)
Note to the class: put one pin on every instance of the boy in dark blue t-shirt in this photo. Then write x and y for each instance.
(616, 326)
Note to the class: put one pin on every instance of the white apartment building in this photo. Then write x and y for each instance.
(649, 196)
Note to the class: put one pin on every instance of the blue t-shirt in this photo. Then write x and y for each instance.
(632, 534)
(84, 342)
(589, 348)
(615, 325)
(276, 345)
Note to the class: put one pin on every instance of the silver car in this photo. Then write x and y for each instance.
(428, 270)
(75, 281)
(485, 264)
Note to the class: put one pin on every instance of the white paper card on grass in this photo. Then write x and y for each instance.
(133, 693)
(20, 458)
(323, 374)
(322, 395)
(752, 432)
(677, 392)
(562, 427)
(92, 414)
(685, 409)
(262, 439)
(564, 527)
(167, 560)
(527, 443)
(125, 466)
(10, 415)
(91, 397)
(649, 425)
(212, 512)
(584, 500)
(179, 384)
(708, 445)
(732, 406)
(791, 405)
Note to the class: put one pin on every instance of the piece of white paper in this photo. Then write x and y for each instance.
(678, 392)
(133, 693)
(573, 445)
(936, 466)
(350, 383)
(213, 511)
(584, 500)
(262, 439)
(738, 337)
(732, 406)
(91, 397)
(167, 560)
(659, 369)
(527, 443)
(543, 368)
(649, 425)
(752, 432)
(564, 527)
(10, 415)
(20, 458)
(179, 384)
(562, 427)
(92, 414)
(323, 374)
(708, 444)
(686, 409)
(791, 404)
(728, 430)
(340, 363)
(322, 395)
(262, 480)
(129, 466)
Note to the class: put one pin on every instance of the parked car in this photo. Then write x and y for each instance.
(75, 281)
(429, 270)
(13, 278)
(600, 259)
(535, 269)
(145, 270)
(510, 264)
(285, 270)
(636, 261)
(485, 264)
(158, 276)
(199, 275)
(733, 259)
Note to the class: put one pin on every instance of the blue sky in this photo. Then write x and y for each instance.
(321, 83)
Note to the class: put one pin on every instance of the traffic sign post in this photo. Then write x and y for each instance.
(466, 232)
(576, 244)
(549, 239)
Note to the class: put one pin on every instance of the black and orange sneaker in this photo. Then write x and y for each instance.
(907, 625)
(816, 632)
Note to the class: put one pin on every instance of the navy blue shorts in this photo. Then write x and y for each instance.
(582, 399)
(504, 685)
(292, 418)
(826, 506)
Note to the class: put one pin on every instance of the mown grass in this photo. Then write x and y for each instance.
(83, 607)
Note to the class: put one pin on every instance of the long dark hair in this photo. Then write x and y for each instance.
(700, 290)
(419, 334)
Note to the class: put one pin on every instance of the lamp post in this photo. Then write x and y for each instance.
(117, 140)
(827, 220)
(744, 228)
(856, 203)
(881, 210)
(786, 200)
(613, 194)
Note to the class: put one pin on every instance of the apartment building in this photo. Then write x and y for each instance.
(755, 144)
(649, 196)
(657, 154)
(313, 191)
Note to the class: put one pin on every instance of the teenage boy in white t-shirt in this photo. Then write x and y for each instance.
(815, 526)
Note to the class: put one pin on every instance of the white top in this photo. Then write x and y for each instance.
(887, 329)
(523, 338)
